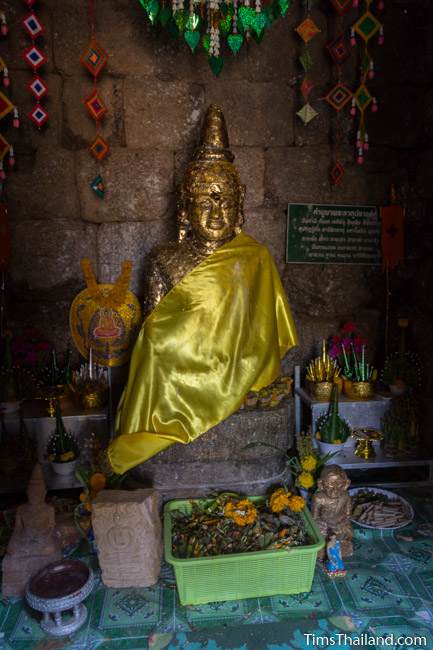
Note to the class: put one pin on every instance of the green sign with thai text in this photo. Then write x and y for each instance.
(333, 234)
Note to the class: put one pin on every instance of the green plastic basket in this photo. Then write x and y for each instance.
(242, 575)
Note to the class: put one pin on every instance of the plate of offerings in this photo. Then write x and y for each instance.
(380, 509)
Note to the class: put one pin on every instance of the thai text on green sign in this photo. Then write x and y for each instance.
(333, 234)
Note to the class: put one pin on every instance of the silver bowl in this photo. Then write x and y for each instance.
(59, 587)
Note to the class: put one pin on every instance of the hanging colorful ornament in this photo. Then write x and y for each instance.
(35, 58)
(365, 28)
(307, 30)
(340, 95)
(94, 59)
(210, 23)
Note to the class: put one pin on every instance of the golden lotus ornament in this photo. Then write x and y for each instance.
(105, 318)
(365, 438)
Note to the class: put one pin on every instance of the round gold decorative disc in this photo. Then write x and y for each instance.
(109, 331)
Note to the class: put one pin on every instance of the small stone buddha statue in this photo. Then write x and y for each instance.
(33, 544)
(217, 318)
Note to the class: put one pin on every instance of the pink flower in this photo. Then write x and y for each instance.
(334, 351)
(336, 340)
(360, 340)
(349, 327)
(346, 343)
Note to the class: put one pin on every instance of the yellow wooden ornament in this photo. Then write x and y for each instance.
(105, 317)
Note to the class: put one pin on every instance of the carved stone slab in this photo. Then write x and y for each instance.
(128, 536)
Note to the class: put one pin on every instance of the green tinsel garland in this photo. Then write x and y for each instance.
(194, 29)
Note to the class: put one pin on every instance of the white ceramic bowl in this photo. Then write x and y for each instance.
(64, 469)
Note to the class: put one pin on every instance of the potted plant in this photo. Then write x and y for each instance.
(62, 447)
(332, 430)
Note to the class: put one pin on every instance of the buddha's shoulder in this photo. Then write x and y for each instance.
(169, 255)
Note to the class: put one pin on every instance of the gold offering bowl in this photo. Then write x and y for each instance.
(91, 396)
(364, 442)
(320, 390)
(358, 389)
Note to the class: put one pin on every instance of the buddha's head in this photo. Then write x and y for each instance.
(211, 197)
(36, 489)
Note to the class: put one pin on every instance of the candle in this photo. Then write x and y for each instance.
(324, 350)
(90, 363)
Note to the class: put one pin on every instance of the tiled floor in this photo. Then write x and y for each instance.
(388, 590)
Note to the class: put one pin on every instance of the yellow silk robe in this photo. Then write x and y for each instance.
(219, 333)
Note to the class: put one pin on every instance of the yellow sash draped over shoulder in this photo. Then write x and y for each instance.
(219, 333)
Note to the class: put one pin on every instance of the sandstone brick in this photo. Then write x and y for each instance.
(161, 114)
(138, 184)
(297, 174)
(47, 253)
(130, 241)
(271, 125)
(79, 127)
(251, 165)
(267, 226)
(273, 59)
(47, 190)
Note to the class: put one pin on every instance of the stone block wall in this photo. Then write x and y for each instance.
(157, 92)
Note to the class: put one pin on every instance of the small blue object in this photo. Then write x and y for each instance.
(98, 187)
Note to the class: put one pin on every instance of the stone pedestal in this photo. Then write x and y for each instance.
(218, 460)
(128, 537)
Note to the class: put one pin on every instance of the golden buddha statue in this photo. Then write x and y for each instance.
(217, 319)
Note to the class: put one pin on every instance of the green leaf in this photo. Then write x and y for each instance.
(284, 6)
(192, 22)
(247, 16)
(226, 23)
(235, 42)
(172, 28)
(192, 38)
(205, 41)
(153, 10)
(181, 19)
(216, 64)
(164, 15)
(258, 23)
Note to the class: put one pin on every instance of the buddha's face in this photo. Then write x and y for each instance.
(213, 212)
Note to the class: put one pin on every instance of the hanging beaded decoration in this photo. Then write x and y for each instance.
(35, 58)
(211, 22)
(6, 108)
(307, 30)
(339, 96)
(94, 59)
(365, 28)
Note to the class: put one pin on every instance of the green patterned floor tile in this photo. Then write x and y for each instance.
(321, 600)
(372, 590)
(227, 612)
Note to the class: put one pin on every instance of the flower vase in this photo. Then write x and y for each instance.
(64, 469)
(331, 448)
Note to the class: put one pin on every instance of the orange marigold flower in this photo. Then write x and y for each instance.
(242, 512)
(296, 504)
(97, 481)
(279, 500)
(88, 506)
(83, 496)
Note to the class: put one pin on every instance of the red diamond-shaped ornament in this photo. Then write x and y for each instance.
(337, 173)
(338, 50)
(95, 106)
(38, 116)
(94, 58)
(306, 87)
(34, 57)
(38, 87)
(33, 25)
(342, 6)
(99, 148)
